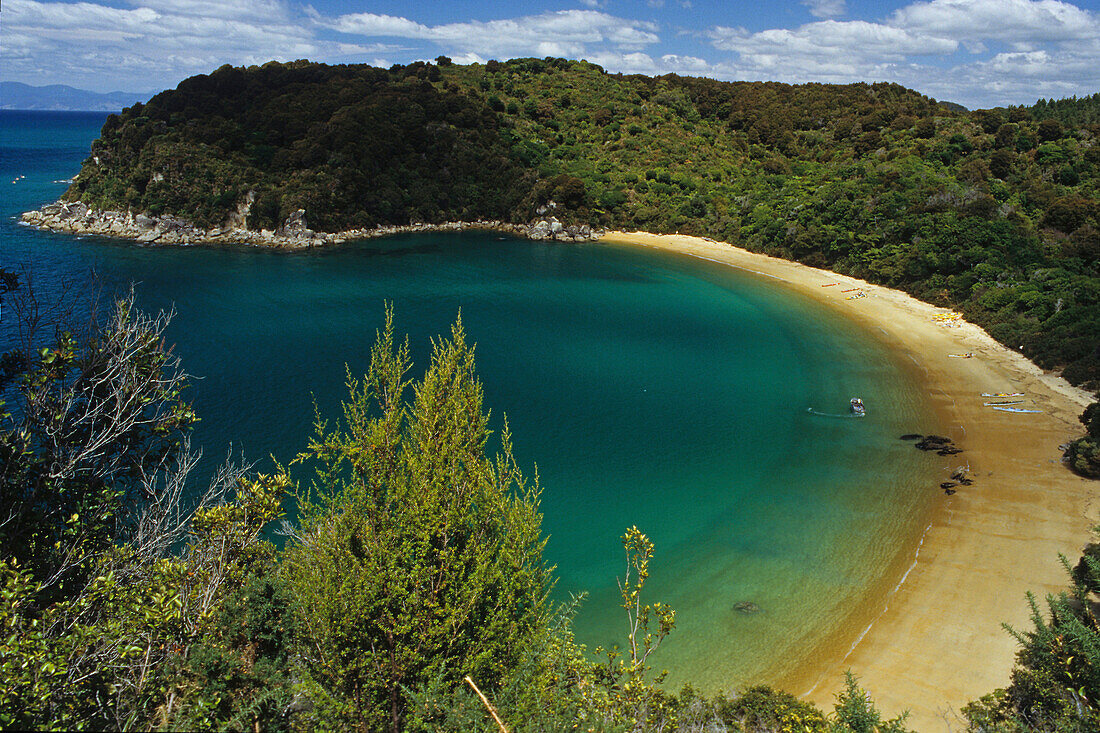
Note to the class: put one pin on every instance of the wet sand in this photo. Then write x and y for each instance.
(936, 641)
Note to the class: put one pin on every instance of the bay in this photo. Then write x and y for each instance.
(648, 389)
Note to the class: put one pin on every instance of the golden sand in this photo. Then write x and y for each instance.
(936, 641)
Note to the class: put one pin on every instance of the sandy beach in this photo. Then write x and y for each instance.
(936, 641)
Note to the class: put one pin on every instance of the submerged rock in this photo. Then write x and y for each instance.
(747, 607)
(911, 436)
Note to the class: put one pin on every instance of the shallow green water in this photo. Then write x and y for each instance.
(650, 389)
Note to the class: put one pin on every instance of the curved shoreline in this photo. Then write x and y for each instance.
(936, 641)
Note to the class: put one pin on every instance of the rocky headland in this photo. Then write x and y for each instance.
(79, 218)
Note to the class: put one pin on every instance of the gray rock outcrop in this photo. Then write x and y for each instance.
(550, 228)
(79, 218)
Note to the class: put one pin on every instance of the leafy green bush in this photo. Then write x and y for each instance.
(760, 709)
(99, 603)
(1083, 454)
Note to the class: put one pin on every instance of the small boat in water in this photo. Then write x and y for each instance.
(857, 407)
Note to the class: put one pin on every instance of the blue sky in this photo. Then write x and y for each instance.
(976, 52)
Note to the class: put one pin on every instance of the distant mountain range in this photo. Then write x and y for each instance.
(16, 95)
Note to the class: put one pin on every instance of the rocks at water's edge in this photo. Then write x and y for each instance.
(78, 218)
(939, 444)
(945, 447)
(961, 477)
(551, 228)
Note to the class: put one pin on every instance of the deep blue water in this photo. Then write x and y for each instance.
(649, 389)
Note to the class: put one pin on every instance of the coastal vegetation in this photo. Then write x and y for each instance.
(994, 212)
(1083, 454)
(410, 592)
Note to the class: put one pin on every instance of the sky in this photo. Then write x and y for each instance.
(979, 53)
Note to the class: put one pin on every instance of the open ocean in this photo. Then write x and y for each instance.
(649, 389)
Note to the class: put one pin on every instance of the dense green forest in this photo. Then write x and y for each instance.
(410, 594)
(995, 212)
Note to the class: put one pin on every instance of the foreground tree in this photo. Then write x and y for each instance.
(98, 605)
(418, 556)
(93, 450)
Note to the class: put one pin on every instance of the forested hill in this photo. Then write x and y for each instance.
(995, 212)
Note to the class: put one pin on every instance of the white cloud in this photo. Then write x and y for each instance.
(826, 8)
(1009, 21)
(1052, 50)
(685, 64)
(827, 44)
(161, 41)
(1016, 77)
(226, 9)
(978, 52)
(561, 33)
(155, 43)
(371, 24)
(625, 63)
(468, 58)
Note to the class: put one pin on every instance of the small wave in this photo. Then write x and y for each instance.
(64, 180)
(885, 607)
(812, 411)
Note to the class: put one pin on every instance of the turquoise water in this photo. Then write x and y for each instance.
(649, 389)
